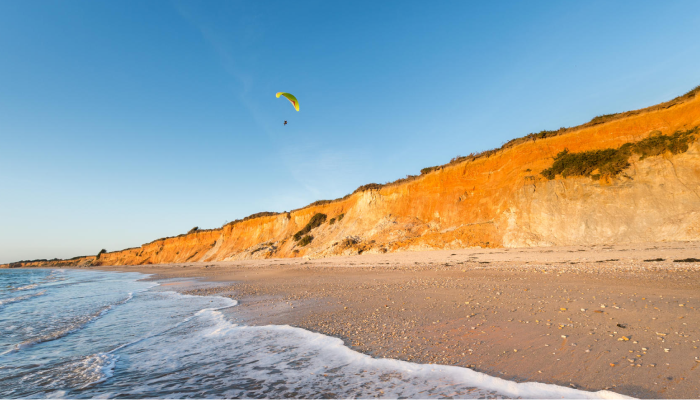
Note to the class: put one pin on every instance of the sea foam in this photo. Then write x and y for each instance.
(73, 325)
(211, 356)
(4, 302)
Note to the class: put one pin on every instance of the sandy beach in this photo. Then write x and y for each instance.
(623, 318)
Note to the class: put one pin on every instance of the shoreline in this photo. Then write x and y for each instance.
(592, 318)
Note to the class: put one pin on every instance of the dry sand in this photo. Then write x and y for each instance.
(588, 317)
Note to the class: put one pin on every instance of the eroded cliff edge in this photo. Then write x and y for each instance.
(498, 199)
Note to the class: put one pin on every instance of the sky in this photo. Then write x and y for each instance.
(123, 122)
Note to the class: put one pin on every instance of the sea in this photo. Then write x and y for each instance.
(93, 334)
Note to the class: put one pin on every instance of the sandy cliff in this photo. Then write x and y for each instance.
(499, 199)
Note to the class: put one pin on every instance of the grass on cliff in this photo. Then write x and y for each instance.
(315, 222)
(611, 162)
(336, 219)
(305, 240)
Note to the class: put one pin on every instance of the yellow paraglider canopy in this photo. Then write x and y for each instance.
(291, 99)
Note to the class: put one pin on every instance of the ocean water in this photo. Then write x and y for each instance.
(77, 334)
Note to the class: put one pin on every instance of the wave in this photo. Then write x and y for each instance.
(81, 374)
(231, 303)
(28, 287)
(89, 371)
(4, 302)
(53, 276)
(206, 355)
(97, 368)
(395, 378)
(75, 325)
(56, 275)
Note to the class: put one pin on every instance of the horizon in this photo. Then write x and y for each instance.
(113, 137)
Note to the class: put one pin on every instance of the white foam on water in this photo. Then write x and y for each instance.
(96, 368)
(208, 356)
(74, 325)
(4, 302)
(229, 303)
(59, 394)
(27, 287)
(426, 374)
(81, 374)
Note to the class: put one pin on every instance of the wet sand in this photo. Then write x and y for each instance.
(588, 317)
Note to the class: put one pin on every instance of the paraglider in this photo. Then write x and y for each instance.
(291, 99)
(285, 122)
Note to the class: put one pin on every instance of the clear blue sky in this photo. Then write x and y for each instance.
(125, 121)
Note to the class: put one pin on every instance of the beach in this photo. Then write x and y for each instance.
(623, 318)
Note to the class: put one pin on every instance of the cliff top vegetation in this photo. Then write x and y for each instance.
(611, 162)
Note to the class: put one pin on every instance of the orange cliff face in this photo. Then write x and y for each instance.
(497, 201)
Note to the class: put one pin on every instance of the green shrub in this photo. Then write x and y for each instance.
(347, 242)
(193, 230)
(332, 221)
(608, 162)
(305, 240)
(97, 257)
(658, 144)
(602, 118)
(340, 217)
(369, 186)
(315, 222)
(545, 134)
(611, 162)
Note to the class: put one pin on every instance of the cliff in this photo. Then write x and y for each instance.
(499, 198)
